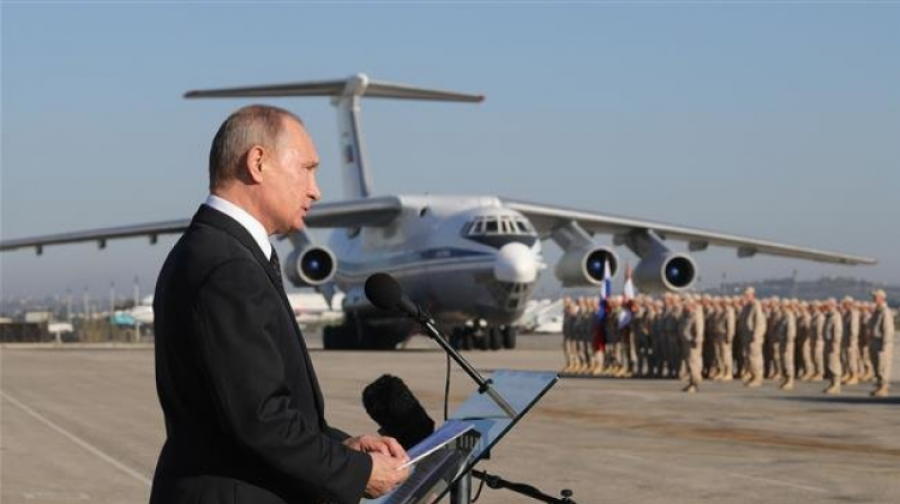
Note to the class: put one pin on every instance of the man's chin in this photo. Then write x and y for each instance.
(299, 225)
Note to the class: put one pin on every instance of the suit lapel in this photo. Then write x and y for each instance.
(210, 216)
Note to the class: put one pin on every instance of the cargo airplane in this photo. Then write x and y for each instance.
(472, 261)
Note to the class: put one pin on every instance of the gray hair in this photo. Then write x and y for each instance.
(249, 126)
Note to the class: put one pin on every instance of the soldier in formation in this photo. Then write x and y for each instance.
(722, 338)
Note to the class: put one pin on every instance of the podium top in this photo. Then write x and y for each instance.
(433, 477)
(522, 389)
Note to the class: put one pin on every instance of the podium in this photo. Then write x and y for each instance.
(449, 468)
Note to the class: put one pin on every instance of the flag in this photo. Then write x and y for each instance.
(605, 292)
(606, 286)
(629, 289)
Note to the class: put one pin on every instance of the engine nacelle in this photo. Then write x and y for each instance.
(584, 267)
(667, 271)
(311, 266)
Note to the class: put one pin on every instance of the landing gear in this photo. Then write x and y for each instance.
(509, 337)
(334, 338)
(359, 334)
(485, 337)
(495, 338)
(461, 338)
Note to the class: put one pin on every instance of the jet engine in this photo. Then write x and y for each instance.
(582, 267)
(665, 271)
(311, 266)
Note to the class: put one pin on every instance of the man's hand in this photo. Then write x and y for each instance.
(387, 456)
(386, 446)
(386, 474)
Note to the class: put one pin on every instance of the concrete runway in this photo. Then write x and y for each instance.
(83, 425)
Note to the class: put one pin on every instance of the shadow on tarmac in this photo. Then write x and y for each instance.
(881, 401)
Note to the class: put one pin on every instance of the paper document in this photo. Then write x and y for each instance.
(451, 430)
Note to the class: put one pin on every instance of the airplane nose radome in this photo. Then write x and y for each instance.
(516, 264)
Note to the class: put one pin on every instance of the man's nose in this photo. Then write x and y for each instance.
(314, 193)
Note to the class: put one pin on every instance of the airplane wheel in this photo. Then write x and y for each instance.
(509, 337)
(383, 343)
(482, 339)
(456, 338)
(495, 338)
(333, 338)
(467, 342)
(326, 338)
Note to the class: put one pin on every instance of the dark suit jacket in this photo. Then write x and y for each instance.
(245, 419)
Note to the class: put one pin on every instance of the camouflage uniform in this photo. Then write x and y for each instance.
(882, 347)
(691, 328)
(787, 335)
(834, 333)
(753, 330)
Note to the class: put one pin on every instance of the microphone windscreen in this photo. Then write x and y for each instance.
(383, 291)
(396, 410)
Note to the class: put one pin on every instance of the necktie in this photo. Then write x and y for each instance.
(276, 265)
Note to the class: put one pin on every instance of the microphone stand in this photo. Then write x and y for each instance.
(461, 490)
(484, 386)
(496, 482)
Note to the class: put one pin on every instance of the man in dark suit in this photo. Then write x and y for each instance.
(245, 418)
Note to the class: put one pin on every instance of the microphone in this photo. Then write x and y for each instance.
(384, 292)
(396, 410)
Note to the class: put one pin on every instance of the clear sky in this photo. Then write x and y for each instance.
(777, 120)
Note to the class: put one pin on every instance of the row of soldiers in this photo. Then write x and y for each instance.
(724, 338)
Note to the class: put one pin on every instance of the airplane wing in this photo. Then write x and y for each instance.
(372, 212)
(101, 236)
(546, 218)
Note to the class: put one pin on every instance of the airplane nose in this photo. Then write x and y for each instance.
(515, 263)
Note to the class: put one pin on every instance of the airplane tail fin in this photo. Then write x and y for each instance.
(345, 95)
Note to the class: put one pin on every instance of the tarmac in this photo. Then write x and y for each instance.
(82, 424)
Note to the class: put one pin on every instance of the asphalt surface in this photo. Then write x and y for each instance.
(82, 424)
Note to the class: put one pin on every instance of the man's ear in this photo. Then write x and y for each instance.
(253, 164)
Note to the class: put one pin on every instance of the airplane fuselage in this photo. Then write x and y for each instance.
(462, 258)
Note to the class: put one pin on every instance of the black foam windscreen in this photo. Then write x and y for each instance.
(383, 291)
(397, 411)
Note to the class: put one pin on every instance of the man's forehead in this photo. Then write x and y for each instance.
(296, 142)
(302, 151)
(293, 133)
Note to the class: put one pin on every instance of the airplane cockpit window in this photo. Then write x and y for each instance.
(498, 226)
(490, 226)
(522, 226)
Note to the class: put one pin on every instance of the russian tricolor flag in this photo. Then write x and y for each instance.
(606, 286)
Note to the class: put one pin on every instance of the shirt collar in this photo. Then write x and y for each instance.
(253, 226)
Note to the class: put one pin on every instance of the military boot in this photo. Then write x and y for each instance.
(881, 391)
(568, 367)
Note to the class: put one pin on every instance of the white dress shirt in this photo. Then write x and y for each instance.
(253, 226)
